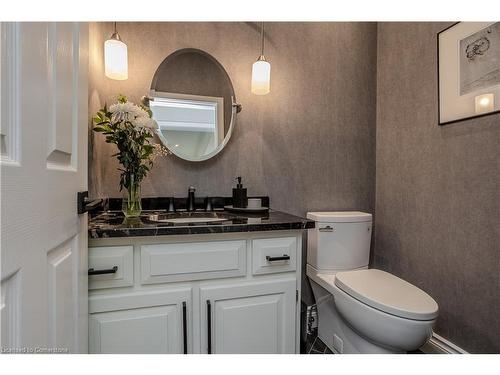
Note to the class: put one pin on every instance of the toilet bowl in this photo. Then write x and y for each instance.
(362, 310)
(349, 325)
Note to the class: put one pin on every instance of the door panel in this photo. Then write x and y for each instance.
(255, 317)
(146, 322)
(262, 333)
(62, 303)
(9, 311)
(10, 50)
(44, 164)
(62, 67)
(150, 330)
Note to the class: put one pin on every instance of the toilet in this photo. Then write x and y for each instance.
(362, 310)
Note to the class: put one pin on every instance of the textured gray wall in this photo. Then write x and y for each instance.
(437, 191)
(309, 144)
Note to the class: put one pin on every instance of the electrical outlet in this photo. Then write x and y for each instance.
(338, 344)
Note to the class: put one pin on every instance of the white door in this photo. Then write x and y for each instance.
(43, 166)
(255, 317)
(155, 322)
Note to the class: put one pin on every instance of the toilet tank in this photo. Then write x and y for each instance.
(339, 241)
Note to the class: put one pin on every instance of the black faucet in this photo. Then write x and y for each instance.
(190, 205)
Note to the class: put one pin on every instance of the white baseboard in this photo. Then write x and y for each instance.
(439, 345)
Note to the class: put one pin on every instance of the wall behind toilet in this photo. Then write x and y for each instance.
(309, 144)
(437, 191)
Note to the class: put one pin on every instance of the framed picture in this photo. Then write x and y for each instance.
(468, 71)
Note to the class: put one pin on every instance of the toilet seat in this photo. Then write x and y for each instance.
(388, 293)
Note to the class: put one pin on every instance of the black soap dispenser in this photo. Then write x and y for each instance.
(239, 195)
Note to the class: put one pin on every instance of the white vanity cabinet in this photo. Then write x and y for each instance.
(208, 293)
(250, 318)
(150, 322)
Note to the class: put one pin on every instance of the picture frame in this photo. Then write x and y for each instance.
(468, 71)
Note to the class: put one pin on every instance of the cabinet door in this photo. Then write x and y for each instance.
(146, 323)
(252, 317)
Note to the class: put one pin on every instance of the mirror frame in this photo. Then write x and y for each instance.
(235, 107)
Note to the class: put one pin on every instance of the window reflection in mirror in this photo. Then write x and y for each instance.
(193, 125)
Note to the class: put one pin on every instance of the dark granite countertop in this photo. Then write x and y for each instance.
(114, 224)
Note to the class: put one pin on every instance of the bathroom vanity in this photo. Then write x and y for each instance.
(220, 286)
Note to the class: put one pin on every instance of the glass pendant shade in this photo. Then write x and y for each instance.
(115, 58)
(261, 76)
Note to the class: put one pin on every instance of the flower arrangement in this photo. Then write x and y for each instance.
(130, 127)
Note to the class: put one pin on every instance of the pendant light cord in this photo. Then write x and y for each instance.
(262, 40)
(115, 35)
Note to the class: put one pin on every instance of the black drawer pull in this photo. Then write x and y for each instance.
(275, 259)
(102, 272)
(209, 328)
(184, 327)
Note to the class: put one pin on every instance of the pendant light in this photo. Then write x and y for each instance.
(115, 57)
(261, 71)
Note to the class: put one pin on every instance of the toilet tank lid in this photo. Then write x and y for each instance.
(339, 216)
(388, 293)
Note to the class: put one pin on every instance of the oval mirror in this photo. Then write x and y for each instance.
(193, 102)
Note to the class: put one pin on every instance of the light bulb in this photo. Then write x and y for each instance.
(261, 76)
(485, 103)
(115, 59)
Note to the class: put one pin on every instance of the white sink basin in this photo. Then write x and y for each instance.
(188, 217)
(190, 220)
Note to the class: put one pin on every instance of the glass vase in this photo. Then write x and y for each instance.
(131, 203)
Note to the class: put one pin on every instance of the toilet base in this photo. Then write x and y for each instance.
(335, 332)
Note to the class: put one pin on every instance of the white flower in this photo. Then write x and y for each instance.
(141, 112)
(145, 122)
(126, 112)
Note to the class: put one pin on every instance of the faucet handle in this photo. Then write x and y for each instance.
(208, 204)
(171, 205)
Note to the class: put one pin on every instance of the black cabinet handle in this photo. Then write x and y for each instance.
(275, 259)
(184, 326)
(209, 327)
(102, 272)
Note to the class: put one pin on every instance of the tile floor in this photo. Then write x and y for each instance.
(314, 345)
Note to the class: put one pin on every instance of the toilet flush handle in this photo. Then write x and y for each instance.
(326, 229)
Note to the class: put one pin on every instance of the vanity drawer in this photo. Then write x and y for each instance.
(107, 257)
(272, 255)
(192, 261)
